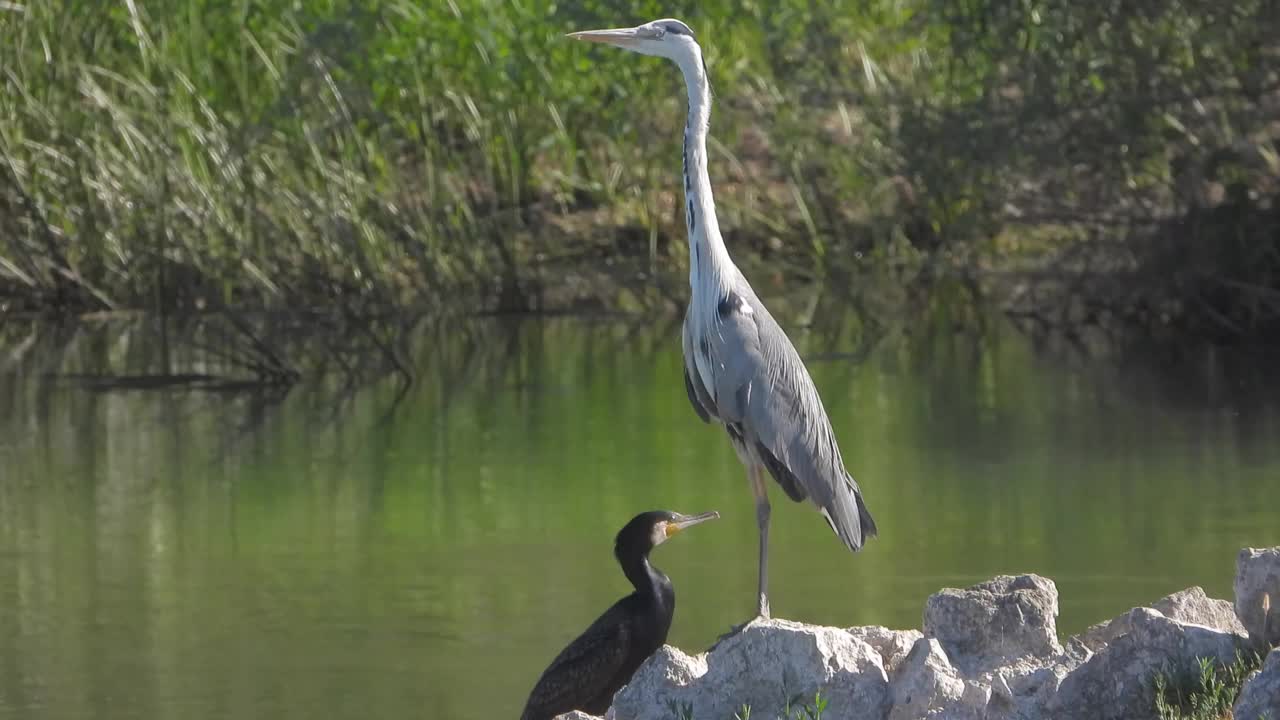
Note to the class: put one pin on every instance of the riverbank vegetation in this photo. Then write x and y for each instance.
(1083, 162)
(1205, 692)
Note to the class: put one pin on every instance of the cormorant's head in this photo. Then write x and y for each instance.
(649, 530)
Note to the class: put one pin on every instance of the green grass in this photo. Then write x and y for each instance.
(194, 153)
(795, 707)
(1205, 692)
(188, 154)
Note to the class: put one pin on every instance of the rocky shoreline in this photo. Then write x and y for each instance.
(990, 651)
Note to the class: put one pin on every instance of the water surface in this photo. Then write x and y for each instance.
(214, 555)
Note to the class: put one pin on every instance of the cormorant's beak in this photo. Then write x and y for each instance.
(628, 38)
(685, 521)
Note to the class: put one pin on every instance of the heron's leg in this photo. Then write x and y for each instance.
(755, 475)
(758, 489)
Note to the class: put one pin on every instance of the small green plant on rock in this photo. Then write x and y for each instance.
(795, 708)
(805, 711)
(680, 711)
(1205, 692)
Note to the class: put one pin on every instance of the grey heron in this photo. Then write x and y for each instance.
(740, 368)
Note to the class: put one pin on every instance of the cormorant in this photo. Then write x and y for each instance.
(586, 674)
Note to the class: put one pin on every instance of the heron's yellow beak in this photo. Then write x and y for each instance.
(622, 37)
(685, 521)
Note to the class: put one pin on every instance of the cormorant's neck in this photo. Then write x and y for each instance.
(648, 580)
(710, 268)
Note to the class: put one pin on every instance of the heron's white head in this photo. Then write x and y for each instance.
(666, 38)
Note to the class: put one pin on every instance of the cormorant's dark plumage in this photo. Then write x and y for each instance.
(586, 674)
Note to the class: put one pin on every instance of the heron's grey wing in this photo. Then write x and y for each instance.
(763, 385)
(699, 397)
(693, 397)
(582, 670)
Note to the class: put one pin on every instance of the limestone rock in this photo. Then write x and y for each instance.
(893, 645)
(927, 686)
(1261, 693)
(1186, 606)
(1097, 637)
(765, 665)
(1022, 689)
(992, 623)
(659, 681)
(1116, 683)
(1194, 606)
(1258, 582)
(976, 697)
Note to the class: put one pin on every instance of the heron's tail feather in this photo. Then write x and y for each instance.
(864, 517)
(849, 517)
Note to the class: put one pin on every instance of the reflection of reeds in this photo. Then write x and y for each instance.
(261, 353)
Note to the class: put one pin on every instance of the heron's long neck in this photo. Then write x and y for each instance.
(710, 268)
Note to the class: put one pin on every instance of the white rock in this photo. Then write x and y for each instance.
(1186, 606)
(976, 697)
(995, 622)
(765, 665)
(1195, 606)
(893, 645)
(1261, 694)
(1258, 575)
(926, 685)
(576, 715)
(1097, 637)
(1022, 689)
(660, 679)
(1117, 682)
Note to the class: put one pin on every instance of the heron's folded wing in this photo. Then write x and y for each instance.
(699, 397)
(694, 400)
(763, 385)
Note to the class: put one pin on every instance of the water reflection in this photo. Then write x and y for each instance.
(358, 552)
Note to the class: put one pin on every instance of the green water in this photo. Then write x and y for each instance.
(215, 555)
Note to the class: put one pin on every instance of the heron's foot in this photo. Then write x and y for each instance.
(734, 630)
